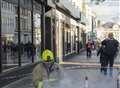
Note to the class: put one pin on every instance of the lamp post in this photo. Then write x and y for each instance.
(92, 28)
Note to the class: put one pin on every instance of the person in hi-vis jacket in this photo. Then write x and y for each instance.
(47, 69)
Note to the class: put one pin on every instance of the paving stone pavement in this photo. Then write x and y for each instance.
(94, 59)
(74, 79)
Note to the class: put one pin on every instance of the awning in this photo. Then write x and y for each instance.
(51, 3)
(63, 9)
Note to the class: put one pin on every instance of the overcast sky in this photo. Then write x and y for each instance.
(108, 11)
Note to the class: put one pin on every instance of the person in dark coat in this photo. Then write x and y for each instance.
(110, 52)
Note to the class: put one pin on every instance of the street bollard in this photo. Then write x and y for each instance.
(118, 78)
(86, 82)
(117, 83)
(57, 60)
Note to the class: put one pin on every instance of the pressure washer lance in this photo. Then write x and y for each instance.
(86, 82)
(118, 78)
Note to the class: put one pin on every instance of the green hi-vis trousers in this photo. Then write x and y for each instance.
(40, 83)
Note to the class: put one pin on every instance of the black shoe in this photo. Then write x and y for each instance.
(105, 73)
(101, 70)
(111, 72)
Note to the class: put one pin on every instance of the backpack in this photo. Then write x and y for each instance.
(110, 47)
(89, 45)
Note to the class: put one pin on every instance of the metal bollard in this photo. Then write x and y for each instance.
(86, 82)
(57, 60)
(117, 83)
(118, 78)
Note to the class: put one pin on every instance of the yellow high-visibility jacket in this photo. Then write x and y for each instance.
(40, 74)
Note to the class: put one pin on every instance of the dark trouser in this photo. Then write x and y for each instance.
(109, 60)
(88, 52)
(103, 63)
(102, 67)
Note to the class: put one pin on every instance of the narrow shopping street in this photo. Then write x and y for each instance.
(55, 43)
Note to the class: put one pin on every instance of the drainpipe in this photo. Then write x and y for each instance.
(19, 35)
(32, 30)
(42, 28)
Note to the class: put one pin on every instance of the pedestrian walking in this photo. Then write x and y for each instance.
(110, 51)
(46, 70)
(89, 48)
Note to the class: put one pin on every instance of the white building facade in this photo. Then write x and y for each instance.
(68, 27)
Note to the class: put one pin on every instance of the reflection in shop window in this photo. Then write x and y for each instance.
(10, 34)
